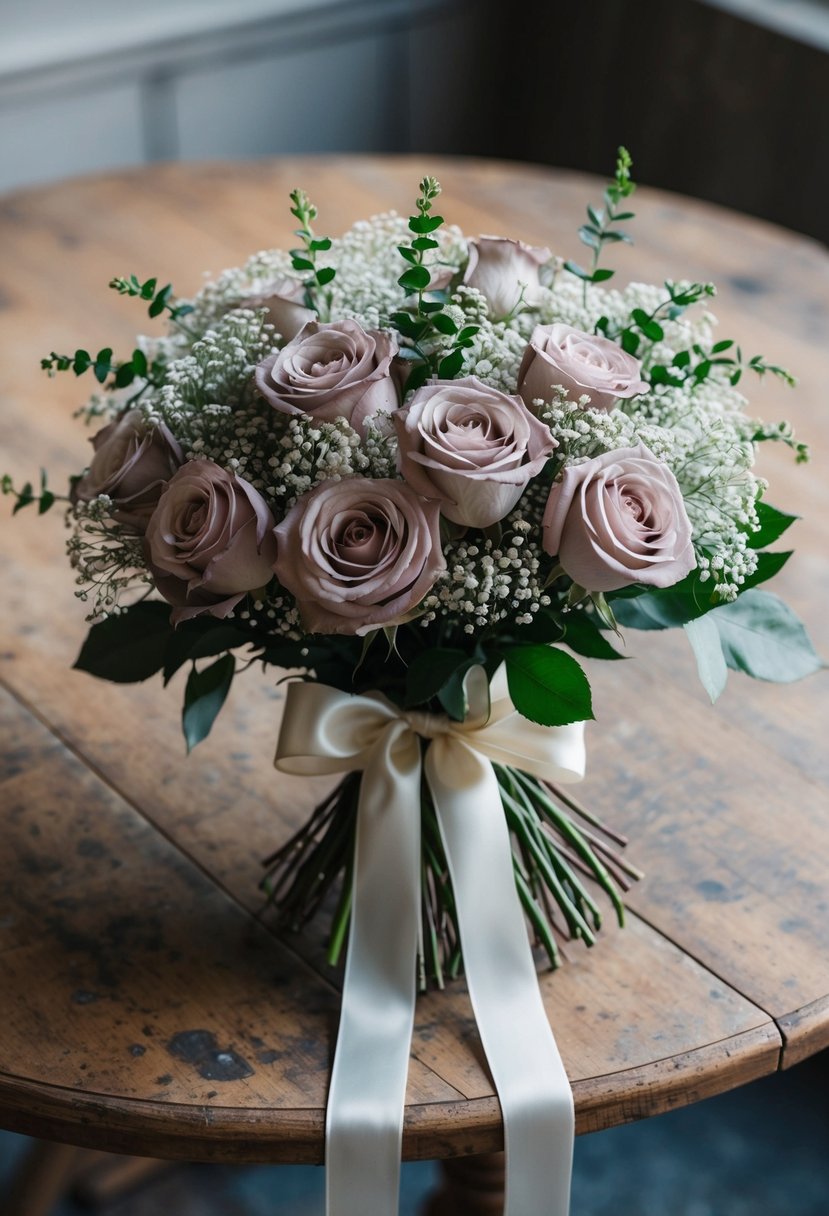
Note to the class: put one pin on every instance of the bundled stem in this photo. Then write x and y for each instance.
(562, 855)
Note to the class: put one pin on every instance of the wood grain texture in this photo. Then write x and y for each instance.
(726, 807)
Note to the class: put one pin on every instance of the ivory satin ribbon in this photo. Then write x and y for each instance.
(328, 731)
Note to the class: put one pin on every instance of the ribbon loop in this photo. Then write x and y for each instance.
(328, 731)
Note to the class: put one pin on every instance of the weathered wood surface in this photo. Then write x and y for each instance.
(129, 873)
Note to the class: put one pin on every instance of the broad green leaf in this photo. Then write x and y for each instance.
(416, 278)
(204, 696)
(548, 686)
(129, 647)
(429, 671)
(768, 564)
(666, 608)
(773, 523)
(200, 639)
(761, 636)
(705, 643)
(584, 636)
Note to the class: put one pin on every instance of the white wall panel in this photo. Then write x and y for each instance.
(42, 139)
(312, 99)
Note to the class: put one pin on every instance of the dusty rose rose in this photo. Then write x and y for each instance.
(209, 541)
(501, 269)
(582, 363)
(470, 446)
(131, 464)
(358, 554)
(619, 519)
(331, 371)
(284, 300)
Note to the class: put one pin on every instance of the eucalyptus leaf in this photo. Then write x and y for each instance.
(705, 643)
(761, 636)
(204, 696)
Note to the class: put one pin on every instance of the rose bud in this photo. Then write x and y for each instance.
(358, 554)
(470, 446)
(331, 371)
(284, 301)
(582, 364)
(209, 541)
(131, 464)
(501, 269)
(619, 519)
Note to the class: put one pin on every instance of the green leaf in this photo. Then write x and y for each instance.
(577, 270)
(630, 341)
(768, 564)
(325, 275)
(601, 276)
(773, 523)
(583, 635)
(200, 639)
(666, 608)
(761, 636)
(123, 376)
(416, 278)
(47, 499)
(705, 643)
(129, 647)
(422, 243)
(139, 362)
(650, 328)
(430, 670)
(408, 254)
(449, 367)
(300, 262)
(204, 696)
(423, 224)
(320, 244)
(418, 377)
(719, 347)
(548, 686)
(444, 324)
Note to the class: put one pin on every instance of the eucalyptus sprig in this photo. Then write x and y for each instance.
(159, 299)
(26, 495)
(305, 259)
(103, 367)
(648, 325)
(602, 226)
(427, 319)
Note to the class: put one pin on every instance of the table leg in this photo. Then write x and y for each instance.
(470, 1186)
(42, 1179)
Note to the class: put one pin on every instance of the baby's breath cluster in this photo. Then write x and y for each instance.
(488, 581)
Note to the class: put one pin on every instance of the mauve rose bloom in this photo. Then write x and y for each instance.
(582, 363)
(284, 300)
(619, 519)
(359, 553)
(209, 541)
(470, 446)
(501, 268)
(131, 464)
(331, 371)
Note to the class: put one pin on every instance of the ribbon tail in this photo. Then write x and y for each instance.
(529, 1077)
(366, 1100)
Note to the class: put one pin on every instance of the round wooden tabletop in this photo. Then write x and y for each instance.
(146, 1005)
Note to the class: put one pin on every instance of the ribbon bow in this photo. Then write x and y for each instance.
(328, 731)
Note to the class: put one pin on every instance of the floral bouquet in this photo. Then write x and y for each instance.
(431, 473)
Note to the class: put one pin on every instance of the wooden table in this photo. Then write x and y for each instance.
(146, 1007)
